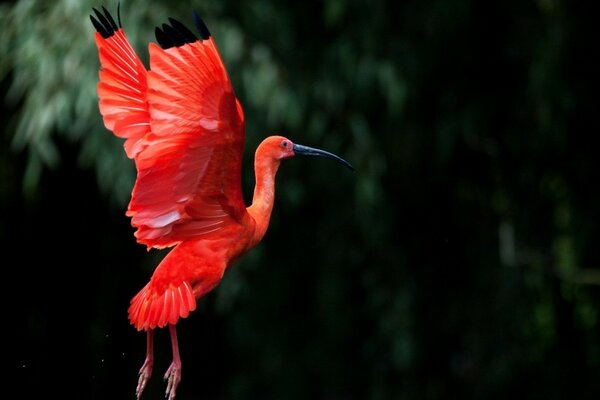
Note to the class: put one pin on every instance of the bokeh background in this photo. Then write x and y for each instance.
(460, 261)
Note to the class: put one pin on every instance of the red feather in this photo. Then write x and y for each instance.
(184, 128)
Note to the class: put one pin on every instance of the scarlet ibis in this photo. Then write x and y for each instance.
(184, 128)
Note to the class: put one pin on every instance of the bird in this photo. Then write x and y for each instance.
(183, 127)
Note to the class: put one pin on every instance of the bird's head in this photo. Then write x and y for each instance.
(280, 148)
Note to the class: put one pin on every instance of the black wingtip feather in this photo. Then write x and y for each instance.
(188, 36)
(163, 40)
(99, 28)
(119, 14)
(110, 19)
(174, 35)
(104, 23)
(177, 34)
(201, 26)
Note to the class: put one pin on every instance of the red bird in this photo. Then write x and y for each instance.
(184, 128)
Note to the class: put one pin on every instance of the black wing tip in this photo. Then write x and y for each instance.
(201, 26)
(163, 39)
(104, 23)
(175, 33)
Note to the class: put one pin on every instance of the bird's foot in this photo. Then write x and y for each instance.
(173, 377)
(144, 376)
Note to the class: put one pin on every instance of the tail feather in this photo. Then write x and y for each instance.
(150, 309)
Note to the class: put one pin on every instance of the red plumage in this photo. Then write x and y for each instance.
(184, 128)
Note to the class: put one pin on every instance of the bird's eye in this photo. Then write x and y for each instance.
(284, 143)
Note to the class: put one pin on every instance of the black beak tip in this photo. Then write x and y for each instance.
(311, 151)
(346, 164)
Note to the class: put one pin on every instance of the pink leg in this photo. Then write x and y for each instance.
(173, 375)
(146, 370)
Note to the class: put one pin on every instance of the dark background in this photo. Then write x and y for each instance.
(459, 261)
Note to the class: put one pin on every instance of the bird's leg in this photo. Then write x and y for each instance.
(173, 375)
(146, 370)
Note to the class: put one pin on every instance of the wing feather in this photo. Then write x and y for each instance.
(183, 126)
(189, 173)
(122, 89)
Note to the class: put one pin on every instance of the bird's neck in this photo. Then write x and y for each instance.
(264, 194)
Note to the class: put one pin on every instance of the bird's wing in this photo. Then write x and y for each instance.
(189, 166)
(122, 84)
(184, 128)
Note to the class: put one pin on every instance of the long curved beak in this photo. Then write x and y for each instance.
(311, 151)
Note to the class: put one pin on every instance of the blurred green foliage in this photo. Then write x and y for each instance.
(460, 261)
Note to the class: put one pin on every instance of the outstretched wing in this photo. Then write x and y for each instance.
(189, 160)
(122, 83)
